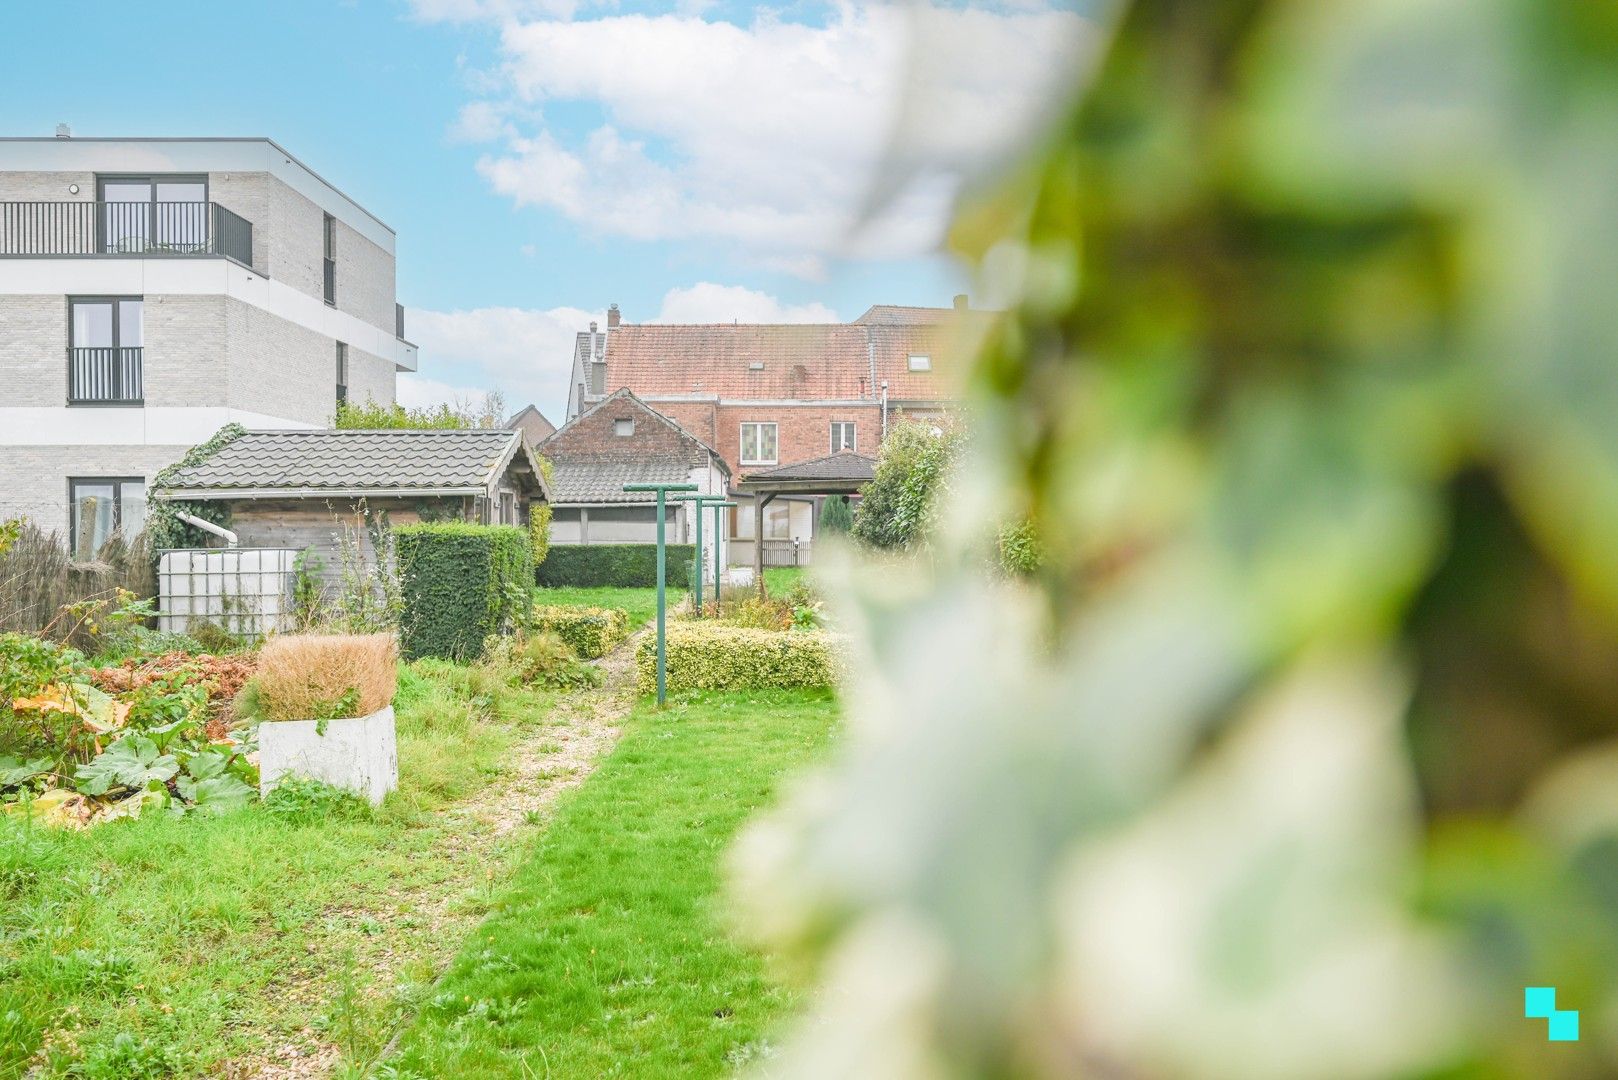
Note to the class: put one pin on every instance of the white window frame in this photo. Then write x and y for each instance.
(775, 441)
(854, 433)
(920, 362)
(620, 430)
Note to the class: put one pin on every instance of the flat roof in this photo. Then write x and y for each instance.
(253, 153)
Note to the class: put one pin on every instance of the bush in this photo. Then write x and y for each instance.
(912, 469)
(325, 677)
(591, 631)
(627, 566)
(538, 659)
(709, 656)
(461, 583)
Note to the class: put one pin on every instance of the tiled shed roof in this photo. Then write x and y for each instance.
(349, 460)
(843, 465)
(603, 481)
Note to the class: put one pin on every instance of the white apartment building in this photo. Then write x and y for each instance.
(153, 290)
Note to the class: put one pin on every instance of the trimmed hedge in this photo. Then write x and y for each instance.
(713, 656)
(461, 583)
(593, 632)
(626, 566)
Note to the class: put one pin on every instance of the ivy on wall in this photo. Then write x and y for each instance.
(164, 529)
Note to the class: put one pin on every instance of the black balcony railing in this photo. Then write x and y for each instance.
(104, 376)
(124, 228)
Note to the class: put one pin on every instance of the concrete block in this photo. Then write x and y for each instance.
(360, 754)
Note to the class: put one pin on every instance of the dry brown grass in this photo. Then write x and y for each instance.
(38, 580)
(300, 676)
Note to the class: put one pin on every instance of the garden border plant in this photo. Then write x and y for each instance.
(593, 632)
(461, 582)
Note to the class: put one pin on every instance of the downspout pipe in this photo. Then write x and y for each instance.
(884, 409)
(208, 527)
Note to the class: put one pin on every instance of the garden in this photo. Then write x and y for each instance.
(178, 900)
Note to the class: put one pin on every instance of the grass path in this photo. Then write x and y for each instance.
(606, 953)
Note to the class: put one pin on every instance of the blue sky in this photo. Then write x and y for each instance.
(691, 161)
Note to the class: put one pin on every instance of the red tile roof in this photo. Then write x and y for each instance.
(792, 361)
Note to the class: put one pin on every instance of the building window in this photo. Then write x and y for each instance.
(99, 506)
(105, 335)
(920, 362)
(342, 372)
(508, 508)
(153, 214)
(624, 426)
(328, 232)
(842, 435)
(758, 444)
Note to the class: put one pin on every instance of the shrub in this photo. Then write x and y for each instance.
(912, 469)
(1019, 549)
(543, 659)
(628, 566)
(460, 584)
(315, 676)
(709, 656)
(302, 800)
(592, 631)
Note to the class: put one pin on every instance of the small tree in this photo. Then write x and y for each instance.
(896, 507)
(836, 516)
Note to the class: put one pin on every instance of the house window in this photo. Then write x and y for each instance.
(758, 444)
(920, 362)
(623, 426)
(508, 508)
(100, 506)
(105, 335)
(328, 233)
(342, 372)
(842, 435)
(153, 214)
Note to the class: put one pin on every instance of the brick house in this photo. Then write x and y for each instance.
(771, 395)
(621, 440)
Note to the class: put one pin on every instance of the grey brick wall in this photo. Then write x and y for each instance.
(184, 359)
(36, 477)
(278, 367)
(296, 252)
(371, 378)
(46, 186)
(33, 350)
(248, 195)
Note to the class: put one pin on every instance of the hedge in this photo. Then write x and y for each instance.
(712, 656)
(461, 583)
(592, 631)
(620, 565)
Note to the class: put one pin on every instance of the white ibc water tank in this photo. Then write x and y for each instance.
(247, 591)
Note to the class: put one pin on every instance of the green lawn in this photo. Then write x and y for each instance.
(205, 944)
(639, 604)
(607, 953)
(778, 580)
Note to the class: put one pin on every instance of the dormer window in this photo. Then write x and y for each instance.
(920, 362)
(756, 365)
(623, 427)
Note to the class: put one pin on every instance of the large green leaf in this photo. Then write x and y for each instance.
(133, 762)
(14, 771)
(218, 793)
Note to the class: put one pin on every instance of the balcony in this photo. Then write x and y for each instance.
(104, 376)
(138, 229)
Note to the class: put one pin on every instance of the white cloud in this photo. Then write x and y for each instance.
(706, 302)
(771, 135)
(523, 352)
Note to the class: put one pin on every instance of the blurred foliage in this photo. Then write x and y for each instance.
(836, 516)
(1297, 759)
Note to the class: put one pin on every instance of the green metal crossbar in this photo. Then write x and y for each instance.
(662, 605)
(702, 502)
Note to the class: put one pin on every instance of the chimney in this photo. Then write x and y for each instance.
(592, 326)
(960, 301)
(63, 131)
(612, 316)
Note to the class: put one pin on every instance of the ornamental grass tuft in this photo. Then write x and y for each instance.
(302, 676)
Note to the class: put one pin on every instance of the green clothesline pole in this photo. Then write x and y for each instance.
(701, 502)
(662, 605)
(718, 514)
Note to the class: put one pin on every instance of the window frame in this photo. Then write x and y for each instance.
(151, 180)
(115, 302)
(117, 483)
(328, 253)
(342, 372)
(741, 442)
(926, 362)
(619, 432)
(854, 436)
